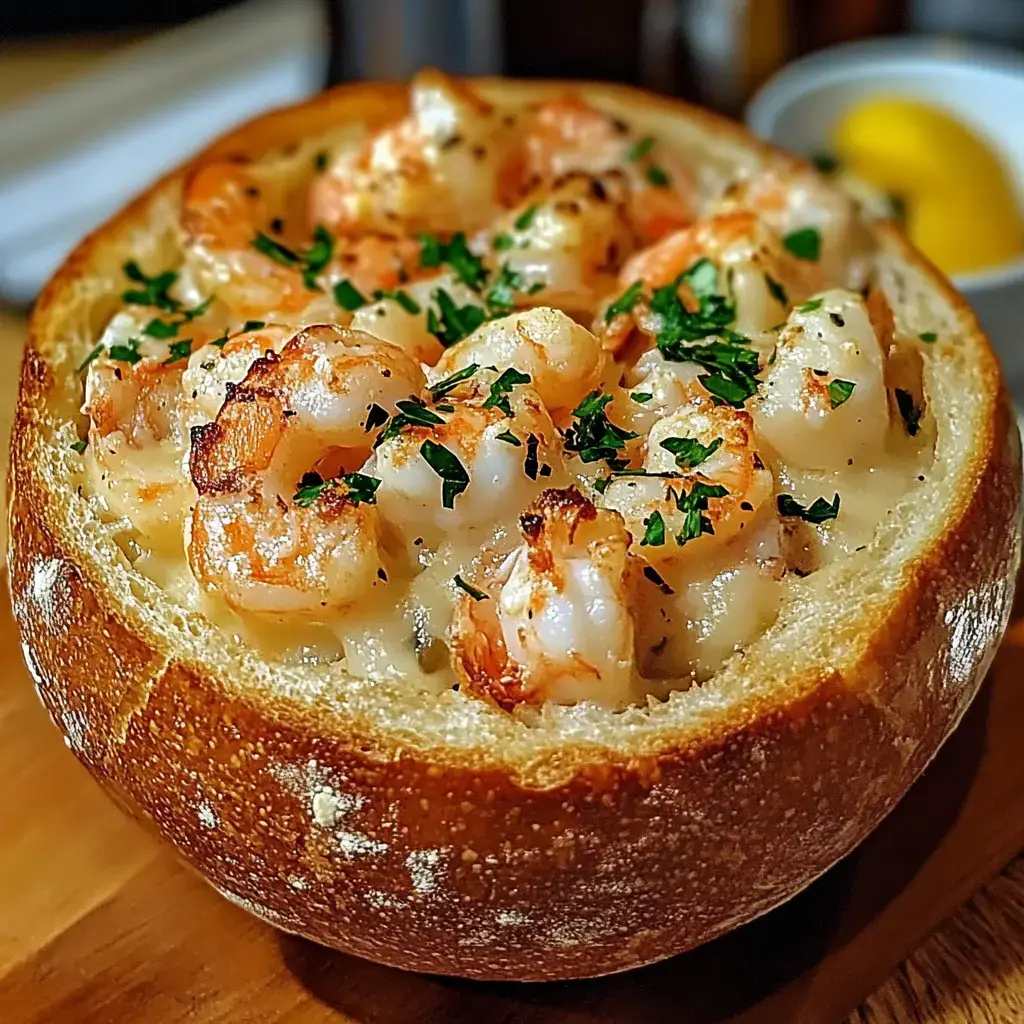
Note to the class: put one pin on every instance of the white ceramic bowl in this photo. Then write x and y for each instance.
(982, 85)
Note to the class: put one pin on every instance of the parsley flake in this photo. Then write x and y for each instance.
(454, 322)
(820, 510)
(502, 388)
(839, 391)
(531, 464)
(477, 595)
(640, 148)
(91, 357)
(348, 296)
(376, 417)
(525, 219)
(693, 505)
(929, 337)
(320, 162)
(689, 452)
(501, 297)
(447, 466)
(442, 387)
(79, 446)
(274, 250)
(161, 329)
(253, 325)
(625, 302)
(804, 244)
(654, 536)
(509, 438)
(656, 175)
(593, 437)
(179, 350)
(810, 307)
(777, 292)
(503, 241)
(154, 289)
(468, 267)
(403, 298)
(640, 397)
(359, 488)
(126, 353)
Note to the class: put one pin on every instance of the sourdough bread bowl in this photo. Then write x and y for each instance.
(443, 834)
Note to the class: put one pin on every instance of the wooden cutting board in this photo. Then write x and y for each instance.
(100, 924)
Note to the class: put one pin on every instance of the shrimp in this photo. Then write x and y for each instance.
(703, 484)
(438, 169)
(563, 359)
(560, 627)
(824, 399)
(470, 460)
(568, 240)
(244, 241)
(752, 271)
(793, 199)
(256, 540)
(568, 134)
(137, 437)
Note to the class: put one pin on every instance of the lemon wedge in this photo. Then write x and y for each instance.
(961, 208)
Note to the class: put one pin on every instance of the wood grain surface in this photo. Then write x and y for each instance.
(102, 925)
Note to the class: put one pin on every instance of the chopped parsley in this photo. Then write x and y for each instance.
(274, 250)
(509, 438)
(531, 465)
(91, 357)
(693, 505)
(403, 298)
(810, 307)
(253, 325)
(503, 241)
(179, 350)
(689, 452)
(525, 219)
(593, 437)
(220, 342)
(909, 411)
(477, 595)
(501, 297)
(348, 296)
(625, 302)
(640, 397)
(410, 414)
(161, 329)
(678, 324)
(804, 244)
(320, 162)
(442, 387)
(359, 488)
(310, 262)
(929, 337)
(654, 536)
(839, 391)
(733, 368)
(468, 267)
(153, 290)
(454, 322)
(79, 446)
(777, 292)
(126, 353)
(656, 175)
(820, 510)
(447, 466)
(640, 148)
(502, 388)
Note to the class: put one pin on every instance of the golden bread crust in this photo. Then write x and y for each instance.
(452, 858)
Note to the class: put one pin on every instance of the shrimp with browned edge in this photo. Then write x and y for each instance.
(265, 535)
(559, 626)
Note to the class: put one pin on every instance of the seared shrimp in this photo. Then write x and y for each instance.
(824, 399)
(559, 628)
(438, 169)
(470, 460)
(247, 243)
(801, 205)
(703, 483)
(754, 273)
(568, 134)
(568, 240)
(563, 359)
(258, 539)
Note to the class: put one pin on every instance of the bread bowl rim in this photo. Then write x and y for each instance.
(682, 738)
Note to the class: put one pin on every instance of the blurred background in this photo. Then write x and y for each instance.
(98, 98)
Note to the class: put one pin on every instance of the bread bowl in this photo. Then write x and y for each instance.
(474, 831)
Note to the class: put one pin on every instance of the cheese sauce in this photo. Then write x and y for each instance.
(500, 399)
